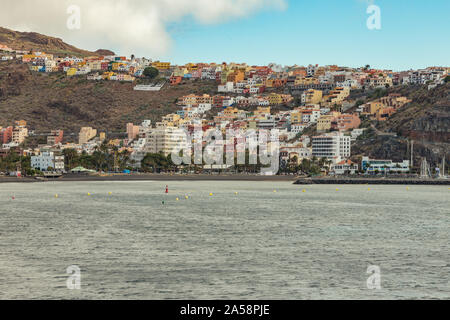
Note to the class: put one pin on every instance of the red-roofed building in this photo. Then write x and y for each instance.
(344, 167)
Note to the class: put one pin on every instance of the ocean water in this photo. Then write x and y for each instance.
(256, 244)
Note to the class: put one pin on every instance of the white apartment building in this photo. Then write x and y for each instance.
(299, 127)
(165, 140)
(333, 146)
(47, 160)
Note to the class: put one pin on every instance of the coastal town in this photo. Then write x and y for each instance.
(311, 107)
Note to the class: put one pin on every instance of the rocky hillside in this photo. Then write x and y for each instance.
(36, 41)
(426, 121)
(51, 101)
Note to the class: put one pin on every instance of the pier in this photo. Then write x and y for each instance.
(374, 181)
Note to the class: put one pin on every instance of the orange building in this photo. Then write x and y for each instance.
(345, 122)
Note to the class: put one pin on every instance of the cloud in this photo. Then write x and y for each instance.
(129, 26)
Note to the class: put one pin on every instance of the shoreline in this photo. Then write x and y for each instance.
(238, 177)
(374, 181)
(150, 177)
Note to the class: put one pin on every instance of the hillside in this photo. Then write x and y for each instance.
(426, 120)
(39, 42)
(50, 101)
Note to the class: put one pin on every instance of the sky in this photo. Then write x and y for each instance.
(413, 33)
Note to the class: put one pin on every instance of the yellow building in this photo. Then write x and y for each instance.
(86, 134)
(230, 112)
(107, 75)
(324, 123)
(171, 120)
(71, 72)
(338, 95)
(300, 80)
(296, 116)
(312, 96)
(372, 107)
(161, 65)
(262, 111)
(274, 99)
(115, 66)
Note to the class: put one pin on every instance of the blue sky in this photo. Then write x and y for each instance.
(414, 34)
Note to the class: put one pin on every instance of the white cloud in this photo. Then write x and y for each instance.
(130, 26)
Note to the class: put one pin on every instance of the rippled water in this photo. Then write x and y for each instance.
(256, 244)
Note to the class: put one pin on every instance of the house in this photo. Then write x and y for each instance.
(345, 122)
(175, 80)
(344, 167)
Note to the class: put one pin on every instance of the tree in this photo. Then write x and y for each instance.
(155, 163)
(70, 158)
(151, 72)
(447, 79)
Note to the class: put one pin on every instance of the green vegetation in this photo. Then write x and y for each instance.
(14, 161)
(151, 72)
(156, 163)
(308, 167)
(378, 93)
(104, 158)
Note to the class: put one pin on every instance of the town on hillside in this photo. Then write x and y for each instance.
(316, 126)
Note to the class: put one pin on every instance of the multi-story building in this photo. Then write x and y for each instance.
(312, 96)
(46, 161)
(346, 122)
(132, 131)
(19, 134)
(55, 137)
(164, 140)
(86, 134)
(338, 95)
(6, 135)
(334, 146)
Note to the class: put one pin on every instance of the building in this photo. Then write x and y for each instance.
(312, 96)
(346, 122)
(46, 161)
(335, 146)
(372, 166)
(20, 133)
(6, 135)
(164, 140)
(132, 131)
(55, 137)
(344, 167)
(86, 134)
(324, 122)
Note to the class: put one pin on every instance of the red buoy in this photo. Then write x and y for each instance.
(167, 189)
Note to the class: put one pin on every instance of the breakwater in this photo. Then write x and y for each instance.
(387, 181)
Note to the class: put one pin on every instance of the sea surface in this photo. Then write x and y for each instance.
(248, 240)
